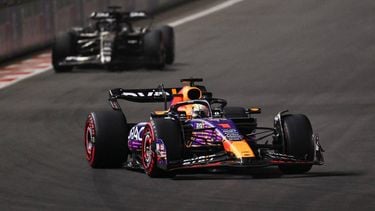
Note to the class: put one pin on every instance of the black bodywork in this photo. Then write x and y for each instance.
(111, 39)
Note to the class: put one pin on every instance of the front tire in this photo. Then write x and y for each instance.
(169, 132)
(297, 142)
(106, 135)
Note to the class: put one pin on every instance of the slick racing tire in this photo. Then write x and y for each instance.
(169, 132)
(169, 43)
(297, 142)
(154, 50)
(62, 48)
(106, 135)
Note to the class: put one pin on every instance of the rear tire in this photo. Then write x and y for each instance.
(169, 131)
(297, 142)
(106, 139)
(62, 48)
(154, 50)
(169, 42)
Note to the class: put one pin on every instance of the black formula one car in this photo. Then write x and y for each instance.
(113, 40)
(194, 131)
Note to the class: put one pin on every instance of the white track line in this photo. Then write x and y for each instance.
(179, 22)
(204, 12)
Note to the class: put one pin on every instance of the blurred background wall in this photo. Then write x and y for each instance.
(28, 25)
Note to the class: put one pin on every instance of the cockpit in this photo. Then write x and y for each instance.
(192, 109)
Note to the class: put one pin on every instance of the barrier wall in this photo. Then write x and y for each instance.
(31, 25)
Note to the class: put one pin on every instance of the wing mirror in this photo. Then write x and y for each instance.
(254, 110)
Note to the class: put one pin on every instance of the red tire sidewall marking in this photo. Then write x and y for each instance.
(148, 167)
(90, 131)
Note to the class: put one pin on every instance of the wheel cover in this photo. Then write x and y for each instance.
(148, 154)
(90, 140)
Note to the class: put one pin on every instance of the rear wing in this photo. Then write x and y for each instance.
(157, 95)
(120, 16)
(144, 95)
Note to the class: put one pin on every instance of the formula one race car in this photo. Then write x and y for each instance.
(196, 130)
(113, 40)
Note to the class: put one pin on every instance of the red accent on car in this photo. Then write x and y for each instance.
(224, 125)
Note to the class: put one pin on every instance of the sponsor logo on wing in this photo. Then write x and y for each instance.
(137, 14)
(198, 160)
(100, 15)
(144, 94)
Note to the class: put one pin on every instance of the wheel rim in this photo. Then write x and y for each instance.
(89, 144)
(90, 140)
(147, 152)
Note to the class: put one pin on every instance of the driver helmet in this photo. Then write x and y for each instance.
(199, 111)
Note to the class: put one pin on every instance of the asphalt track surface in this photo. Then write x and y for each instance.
(312, 57)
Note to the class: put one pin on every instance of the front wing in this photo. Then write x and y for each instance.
(223, 160)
